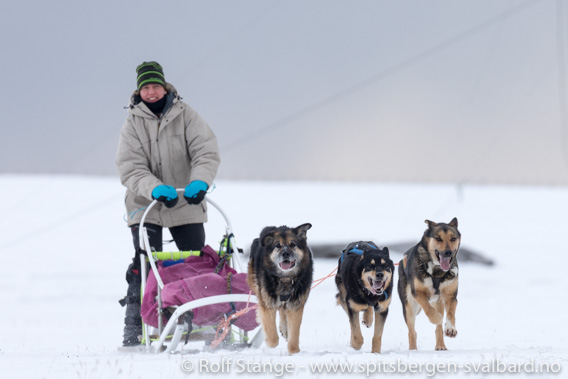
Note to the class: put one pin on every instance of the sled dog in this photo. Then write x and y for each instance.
(428, 280)
(365, 281)
(280, 273)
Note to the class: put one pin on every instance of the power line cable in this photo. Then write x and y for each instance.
(112, 133)
(234, 36)
(409, 62)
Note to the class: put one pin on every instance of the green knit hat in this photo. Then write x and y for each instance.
(150, 72)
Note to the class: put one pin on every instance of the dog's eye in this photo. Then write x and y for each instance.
(438, 239)
(453, 239)
(292, 244)
(278, 246)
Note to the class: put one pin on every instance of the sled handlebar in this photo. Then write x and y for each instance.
(144, 242)
(213, 203)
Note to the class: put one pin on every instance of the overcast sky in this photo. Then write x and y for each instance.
(438, 91)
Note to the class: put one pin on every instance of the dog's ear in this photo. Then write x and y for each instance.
(454, 223)
(431, 224)
(267, 236)
(302, 230)
(385, 250)
(267, 240)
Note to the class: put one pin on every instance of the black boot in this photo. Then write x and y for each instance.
(132, 320)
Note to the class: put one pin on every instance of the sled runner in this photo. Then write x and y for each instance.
(198, 295)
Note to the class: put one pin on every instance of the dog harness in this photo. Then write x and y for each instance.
(356, 250)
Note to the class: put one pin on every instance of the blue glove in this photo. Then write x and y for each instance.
(195, 192)
(165, 194)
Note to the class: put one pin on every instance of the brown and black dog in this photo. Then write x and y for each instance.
(428, 280)
(364, 280)
(280, 273)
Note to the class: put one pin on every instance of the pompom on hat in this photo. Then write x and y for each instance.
(149, 72)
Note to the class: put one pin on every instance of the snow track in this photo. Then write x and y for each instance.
(65, 248)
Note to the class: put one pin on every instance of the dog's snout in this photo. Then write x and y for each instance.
(285, 253)
(448, 253)
(380, 275)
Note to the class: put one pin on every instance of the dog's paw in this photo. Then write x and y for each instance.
(436, 318)
(441, 347)
(376, 346)
(451, 330)
(271, 342)
(356, 342)
(283, 330)
(293, 349)
(367, 319)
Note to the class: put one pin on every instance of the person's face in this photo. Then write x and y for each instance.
(152, 92)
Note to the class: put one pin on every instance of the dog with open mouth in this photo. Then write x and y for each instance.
(364, 280)
(428, 280)
(280, 272)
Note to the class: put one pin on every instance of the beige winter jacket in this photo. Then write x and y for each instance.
(175, 149)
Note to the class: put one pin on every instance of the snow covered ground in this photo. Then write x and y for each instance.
(65, 247)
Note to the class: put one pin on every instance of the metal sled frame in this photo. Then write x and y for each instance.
(175, 327)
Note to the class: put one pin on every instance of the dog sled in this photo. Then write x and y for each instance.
(191, 296)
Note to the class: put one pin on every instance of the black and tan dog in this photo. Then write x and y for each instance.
(428, 280)
(364, 280)
(280, 273)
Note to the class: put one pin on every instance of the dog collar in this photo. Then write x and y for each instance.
(375, 303)
(384, 293)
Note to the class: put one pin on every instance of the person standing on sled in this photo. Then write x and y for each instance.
(164, 144)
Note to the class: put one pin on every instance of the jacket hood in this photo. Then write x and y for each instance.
(135, 98)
